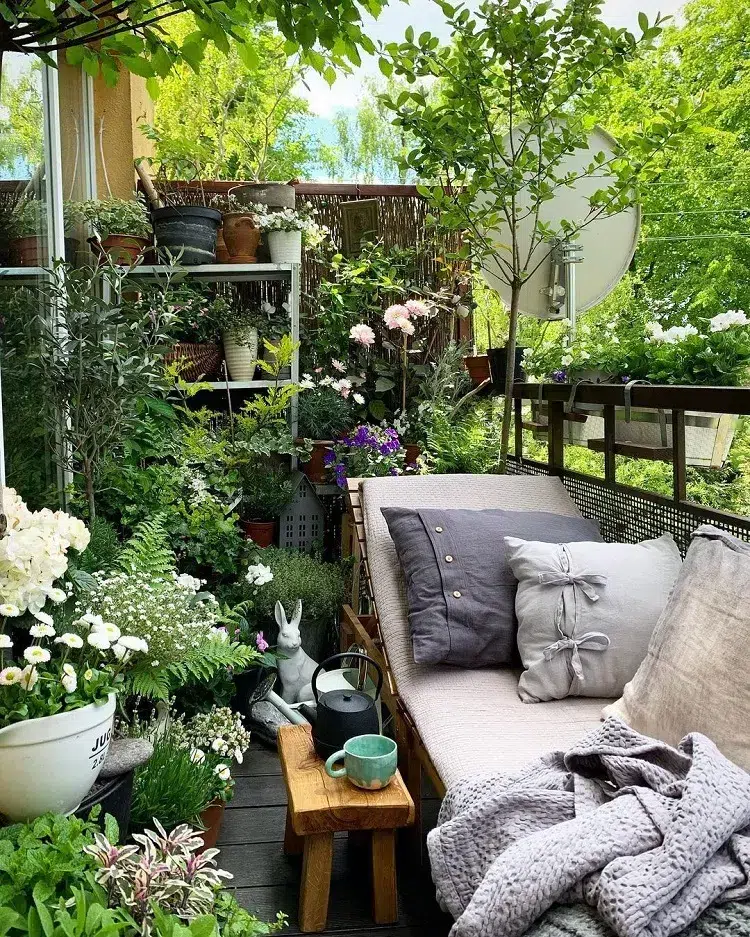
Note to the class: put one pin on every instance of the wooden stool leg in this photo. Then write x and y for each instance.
(384, 896)
(293, 844)
(316, 882)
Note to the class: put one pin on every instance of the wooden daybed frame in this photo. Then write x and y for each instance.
(625, 514)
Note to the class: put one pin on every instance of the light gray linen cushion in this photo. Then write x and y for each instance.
(460, 587)
(471, 721)
(696, 675)
(586, 612)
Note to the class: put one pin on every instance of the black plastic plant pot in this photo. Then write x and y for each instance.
(498, 369)
(187, 233)
(115, 796)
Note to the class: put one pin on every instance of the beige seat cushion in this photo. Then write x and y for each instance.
(470, 721)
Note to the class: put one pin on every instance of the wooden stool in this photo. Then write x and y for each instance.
(320, 806)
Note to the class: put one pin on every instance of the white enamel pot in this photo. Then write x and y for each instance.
(50, 764)
(285, 247)
(241, 353)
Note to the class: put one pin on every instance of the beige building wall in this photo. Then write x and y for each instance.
(118, 141)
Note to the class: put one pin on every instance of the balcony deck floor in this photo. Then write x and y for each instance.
(267, 881)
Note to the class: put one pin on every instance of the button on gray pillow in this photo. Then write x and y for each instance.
(586, 612)
(460, 588)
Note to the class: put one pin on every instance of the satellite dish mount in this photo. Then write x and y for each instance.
(564, 255)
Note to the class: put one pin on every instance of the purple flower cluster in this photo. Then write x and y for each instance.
(366, 441)
(559, 376)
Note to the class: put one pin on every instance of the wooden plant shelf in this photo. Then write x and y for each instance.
(635, 450)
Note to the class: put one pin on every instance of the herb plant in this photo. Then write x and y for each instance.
(116, 216)
(323, 413)
(266, 492)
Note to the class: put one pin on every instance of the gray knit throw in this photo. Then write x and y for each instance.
(727, 920)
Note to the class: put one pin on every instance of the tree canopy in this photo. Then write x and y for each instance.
(239, 116)
(110, 34)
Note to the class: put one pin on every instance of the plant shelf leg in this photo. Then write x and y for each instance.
(384, 895)
(316, 882)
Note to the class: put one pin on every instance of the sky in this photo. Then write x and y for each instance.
(424, 15)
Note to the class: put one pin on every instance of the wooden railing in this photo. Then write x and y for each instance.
(566, 403)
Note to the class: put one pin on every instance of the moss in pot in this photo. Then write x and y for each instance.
(266, 492)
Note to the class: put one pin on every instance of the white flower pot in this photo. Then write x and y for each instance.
(285, 247)
(50, 764)
(241, 353)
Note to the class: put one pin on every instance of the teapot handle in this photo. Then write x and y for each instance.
(349, 655)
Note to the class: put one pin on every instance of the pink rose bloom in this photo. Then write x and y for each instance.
(417, 308)
(395, 315)
(260, 642)
(362, 334)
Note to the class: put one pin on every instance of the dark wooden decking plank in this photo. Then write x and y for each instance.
(252, 825)
(265, 791)
(258, 761)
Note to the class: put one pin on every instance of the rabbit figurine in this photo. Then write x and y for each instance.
(295, 667)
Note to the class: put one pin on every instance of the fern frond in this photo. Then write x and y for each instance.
(147, 551)
(200, 665)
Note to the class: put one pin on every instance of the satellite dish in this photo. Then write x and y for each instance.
(602, 251)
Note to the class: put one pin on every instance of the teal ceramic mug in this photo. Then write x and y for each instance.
(369, 761)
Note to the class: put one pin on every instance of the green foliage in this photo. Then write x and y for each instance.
(116, 216)
(323, 413)
(133, 37)
(170, 787)
(200, 664)
(463, 442)
(45, 854)
(266, 492)
(147, 550)
(22, 121)
(296, 575)
(515, 79)
(103, 549)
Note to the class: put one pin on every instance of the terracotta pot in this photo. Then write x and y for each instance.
(260, 532)
(121, 248)
(211, 819)
(315, 468)
(478, 367)
(32, 251)
(241, 236)
(413, 452)
(202, 359)
(222, 254)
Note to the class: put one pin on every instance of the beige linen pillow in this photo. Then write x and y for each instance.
(696, 674)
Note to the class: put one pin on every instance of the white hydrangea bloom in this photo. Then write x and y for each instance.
(728, 320)
(258, 574)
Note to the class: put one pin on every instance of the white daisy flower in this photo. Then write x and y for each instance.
(70, 640)
(223, 771)
(99, 641)
(44, 618)
(10, 675)
(197, 756)
(36, 654)
(57, 596)
(28, 678)
(69, 679)
(42, 631)
(133, 643)
(111, 632)
(5, 641)
(9, 610)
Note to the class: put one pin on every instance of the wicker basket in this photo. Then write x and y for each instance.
(202, 359)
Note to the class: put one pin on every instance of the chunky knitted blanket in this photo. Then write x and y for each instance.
(648, 835)
(726, 920)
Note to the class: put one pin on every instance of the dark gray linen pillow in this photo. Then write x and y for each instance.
(460, 588)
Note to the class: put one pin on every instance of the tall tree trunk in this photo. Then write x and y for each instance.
(2, 51)
(88, 474)
(510, 375)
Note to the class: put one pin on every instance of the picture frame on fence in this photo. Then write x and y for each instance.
(360, 223)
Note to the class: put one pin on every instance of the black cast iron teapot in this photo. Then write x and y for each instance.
(344, 713)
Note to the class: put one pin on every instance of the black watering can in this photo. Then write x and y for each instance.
(344, 713)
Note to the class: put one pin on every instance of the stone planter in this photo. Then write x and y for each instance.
(274, 194)
(285, 246)
(241, 353)
(50, 764)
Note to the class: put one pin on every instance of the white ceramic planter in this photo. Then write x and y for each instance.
(241, 353)
(285, 247)
(50, 764)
